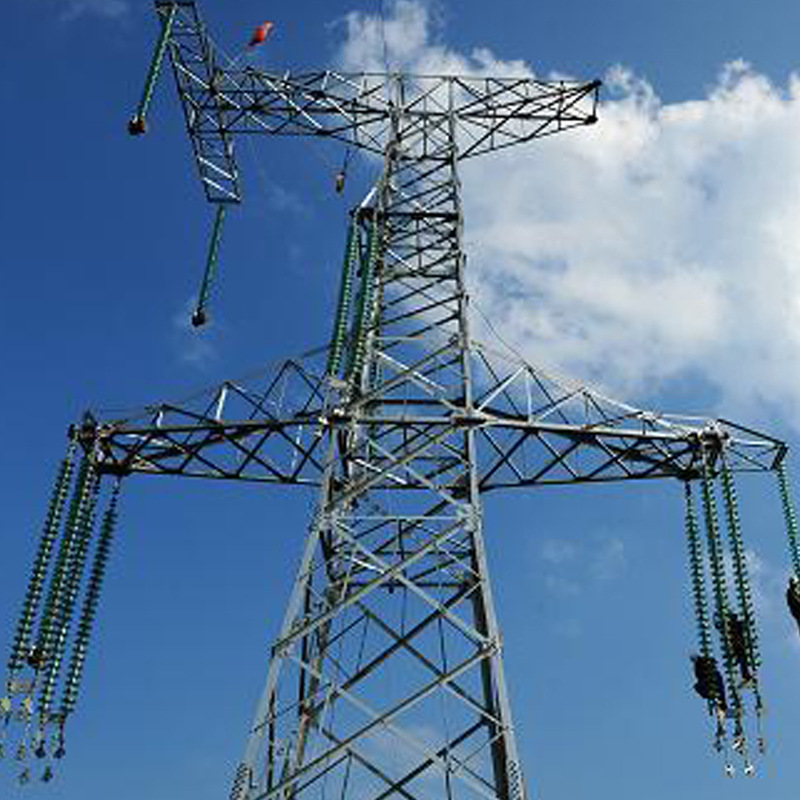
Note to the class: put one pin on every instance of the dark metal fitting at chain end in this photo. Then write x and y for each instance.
(85, 433)
(137, 126)
(112, 468)
(713, 441)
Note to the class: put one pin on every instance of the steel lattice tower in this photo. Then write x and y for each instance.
(386, 679)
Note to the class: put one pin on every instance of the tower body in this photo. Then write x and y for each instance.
(387, 679)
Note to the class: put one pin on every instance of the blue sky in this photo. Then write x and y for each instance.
(672, 226)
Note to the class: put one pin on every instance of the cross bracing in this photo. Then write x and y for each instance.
(220, 101)
(535, 429)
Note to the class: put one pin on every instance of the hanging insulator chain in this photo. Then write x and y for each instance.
(790, 516)
(749, 632)
(82, 522)
(366, 298)
(717, 564)
(241, 783)
(138, 124)
(95, 585)
(342, 318)
(199, 316)
(48, 619)
(696, 569)
(21, 648)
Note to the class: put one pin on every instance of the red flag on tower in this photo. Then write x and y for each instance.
(260, 33)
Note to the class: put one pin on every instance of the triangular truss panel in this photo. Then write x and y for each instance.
(532, 429)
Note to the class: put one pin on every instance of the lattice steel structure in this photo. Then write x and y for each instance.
(386, 679)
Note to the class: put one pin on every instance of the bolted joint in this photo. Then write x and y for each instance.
(469, 420)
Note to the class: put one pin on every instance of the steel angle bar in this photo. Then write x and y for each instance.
(395, 463)
(409, 434)
(404, 291)
(403, 641)
(409, 374)
(424, 310)
(661, 457)
(443, 751)
(298, 790)
(619, 456)
(395, 787)
(150, 450)
(501, 387)
(505, 456)
(398, 572)
(384, 720)
(408, 458)
(386, 573)
(545, 127)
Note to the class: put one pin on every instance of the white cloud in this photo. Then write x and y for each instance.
(281, 199)
(609, 560)
(111, 9)
(558, 551)
(561, 587)
(567, 567)
(660, 245)
(403, 40)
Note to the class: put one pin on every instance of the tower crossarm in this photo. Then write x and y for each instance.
(282, 429)
(529, 453)
(221, 100)
(266, 427)
(535, 428)
(356, 107)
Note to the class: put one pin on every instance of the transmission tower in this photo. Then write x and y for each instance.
(386, 679)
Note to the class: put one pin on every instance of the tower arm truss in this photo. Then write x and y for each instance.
(531, 429)
(220, 101)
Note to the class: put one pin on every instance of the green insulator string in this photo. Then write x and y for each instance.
(48, 619)
(365, 304)
(720, 585)
(704, 665)
(722, 614)
(91, 599)
(696, 570)
(82, 522)
(352, 250)
(137, 125)
(21, 648)
(209, 275)
(747, 633)
(741, 573)
(41, 656)
(790, 516)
